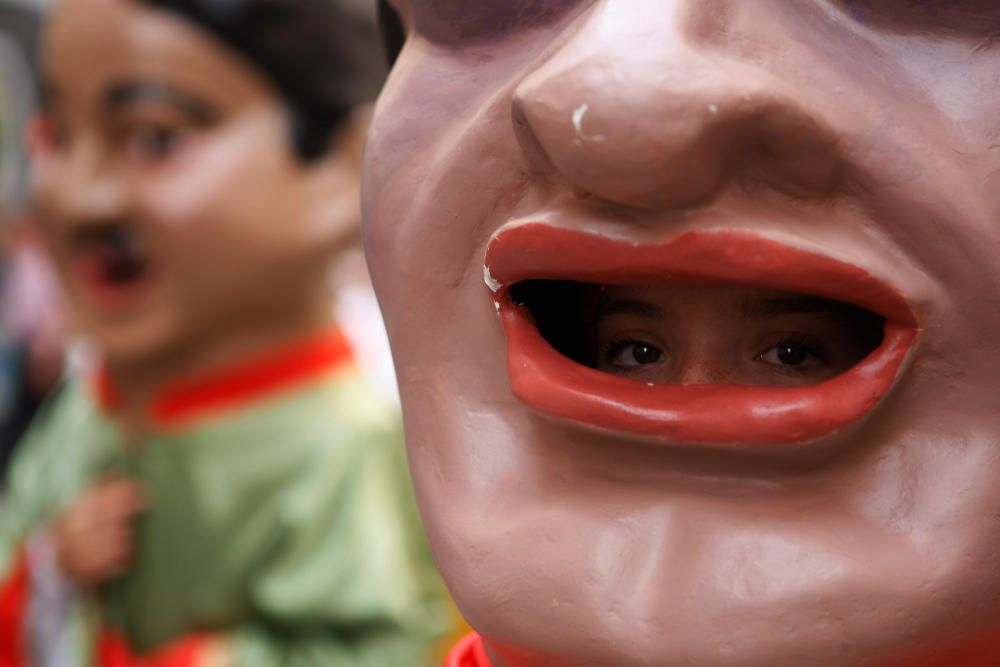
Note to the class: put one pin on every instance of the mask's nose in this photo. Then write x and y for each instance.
(649, 105)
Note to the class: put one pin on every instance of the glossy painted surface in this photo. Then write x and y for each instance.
(862, 132)
(701, 413)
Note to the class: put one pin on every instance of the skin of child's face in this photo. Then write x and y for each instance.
(160, 140)
(653, 139)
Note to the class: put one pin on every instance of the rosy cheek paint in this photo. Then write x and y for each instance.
(553, 384)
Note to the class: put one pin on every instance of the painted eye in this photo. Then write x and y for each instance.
(635, 354)
(791, 355)
(153, 143)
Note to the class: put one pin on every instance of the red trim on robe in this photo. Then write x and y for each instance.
(113, 651)
(204, 395)
(14, 598)
(469, 652)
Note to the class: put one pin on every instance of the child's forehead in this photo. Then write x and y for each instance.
(747, 300)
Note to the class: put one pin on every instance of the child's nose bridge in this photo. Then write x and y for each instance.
(655, 116)
(708, 338)
(704, 366)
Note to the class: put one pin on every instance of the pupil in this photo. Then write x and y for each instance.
(646, 354)
(158, 142)
(791, 355)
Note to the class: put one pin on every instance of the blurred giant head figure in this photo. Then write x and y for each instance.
(192, 176)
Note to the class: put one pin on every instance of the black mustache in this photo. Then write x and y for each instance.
(117, 237)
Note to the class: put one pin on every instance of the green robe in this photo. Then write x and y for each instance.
(286, 522)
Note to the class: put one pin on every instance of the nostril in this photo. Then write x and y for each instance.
(673, 128)
(685, 150)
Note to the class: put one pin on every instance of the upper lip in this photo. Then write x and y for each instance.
(716, 414)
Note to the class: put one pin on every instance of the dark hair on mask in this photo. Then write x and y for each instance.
(321, 55)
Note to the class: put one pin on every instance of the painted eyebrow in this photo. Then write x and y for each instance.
(756, 308)
(122, 94)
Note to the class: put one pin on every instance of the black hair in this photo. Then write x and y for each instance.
(320, 54)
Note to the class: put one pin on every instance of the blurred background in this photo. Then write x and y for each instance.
(31, 323)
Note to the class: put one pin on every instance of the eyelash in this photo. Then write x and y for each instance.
(617, 343)
(801, 340)
(808, 343)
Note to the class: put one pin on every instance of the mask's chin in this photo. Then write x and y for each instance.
(615, 577)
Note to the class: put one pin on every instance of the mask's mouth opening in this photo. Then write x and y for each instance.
(721, 337)
(559, 310)
(110, 254)
(738, 335)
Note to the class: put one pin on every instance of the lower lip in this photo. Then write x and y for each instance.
(549, 382)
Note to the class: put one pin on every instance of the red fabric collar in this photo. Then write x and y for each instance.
(468, 653)
(15, 594)
(181, 401)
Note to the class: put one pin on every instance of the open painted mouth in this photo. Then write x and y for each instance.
(544, 280)
(109, 261)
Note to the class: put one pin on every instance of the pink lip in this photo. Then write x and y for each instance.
(710, 414)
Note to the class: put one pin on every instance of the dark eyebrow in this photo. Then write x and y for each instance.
(755, 308)
(132, 92)
(608, 307)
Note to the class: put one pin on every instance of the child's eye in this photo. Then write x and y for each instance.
(634, 354)
(790, 354)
